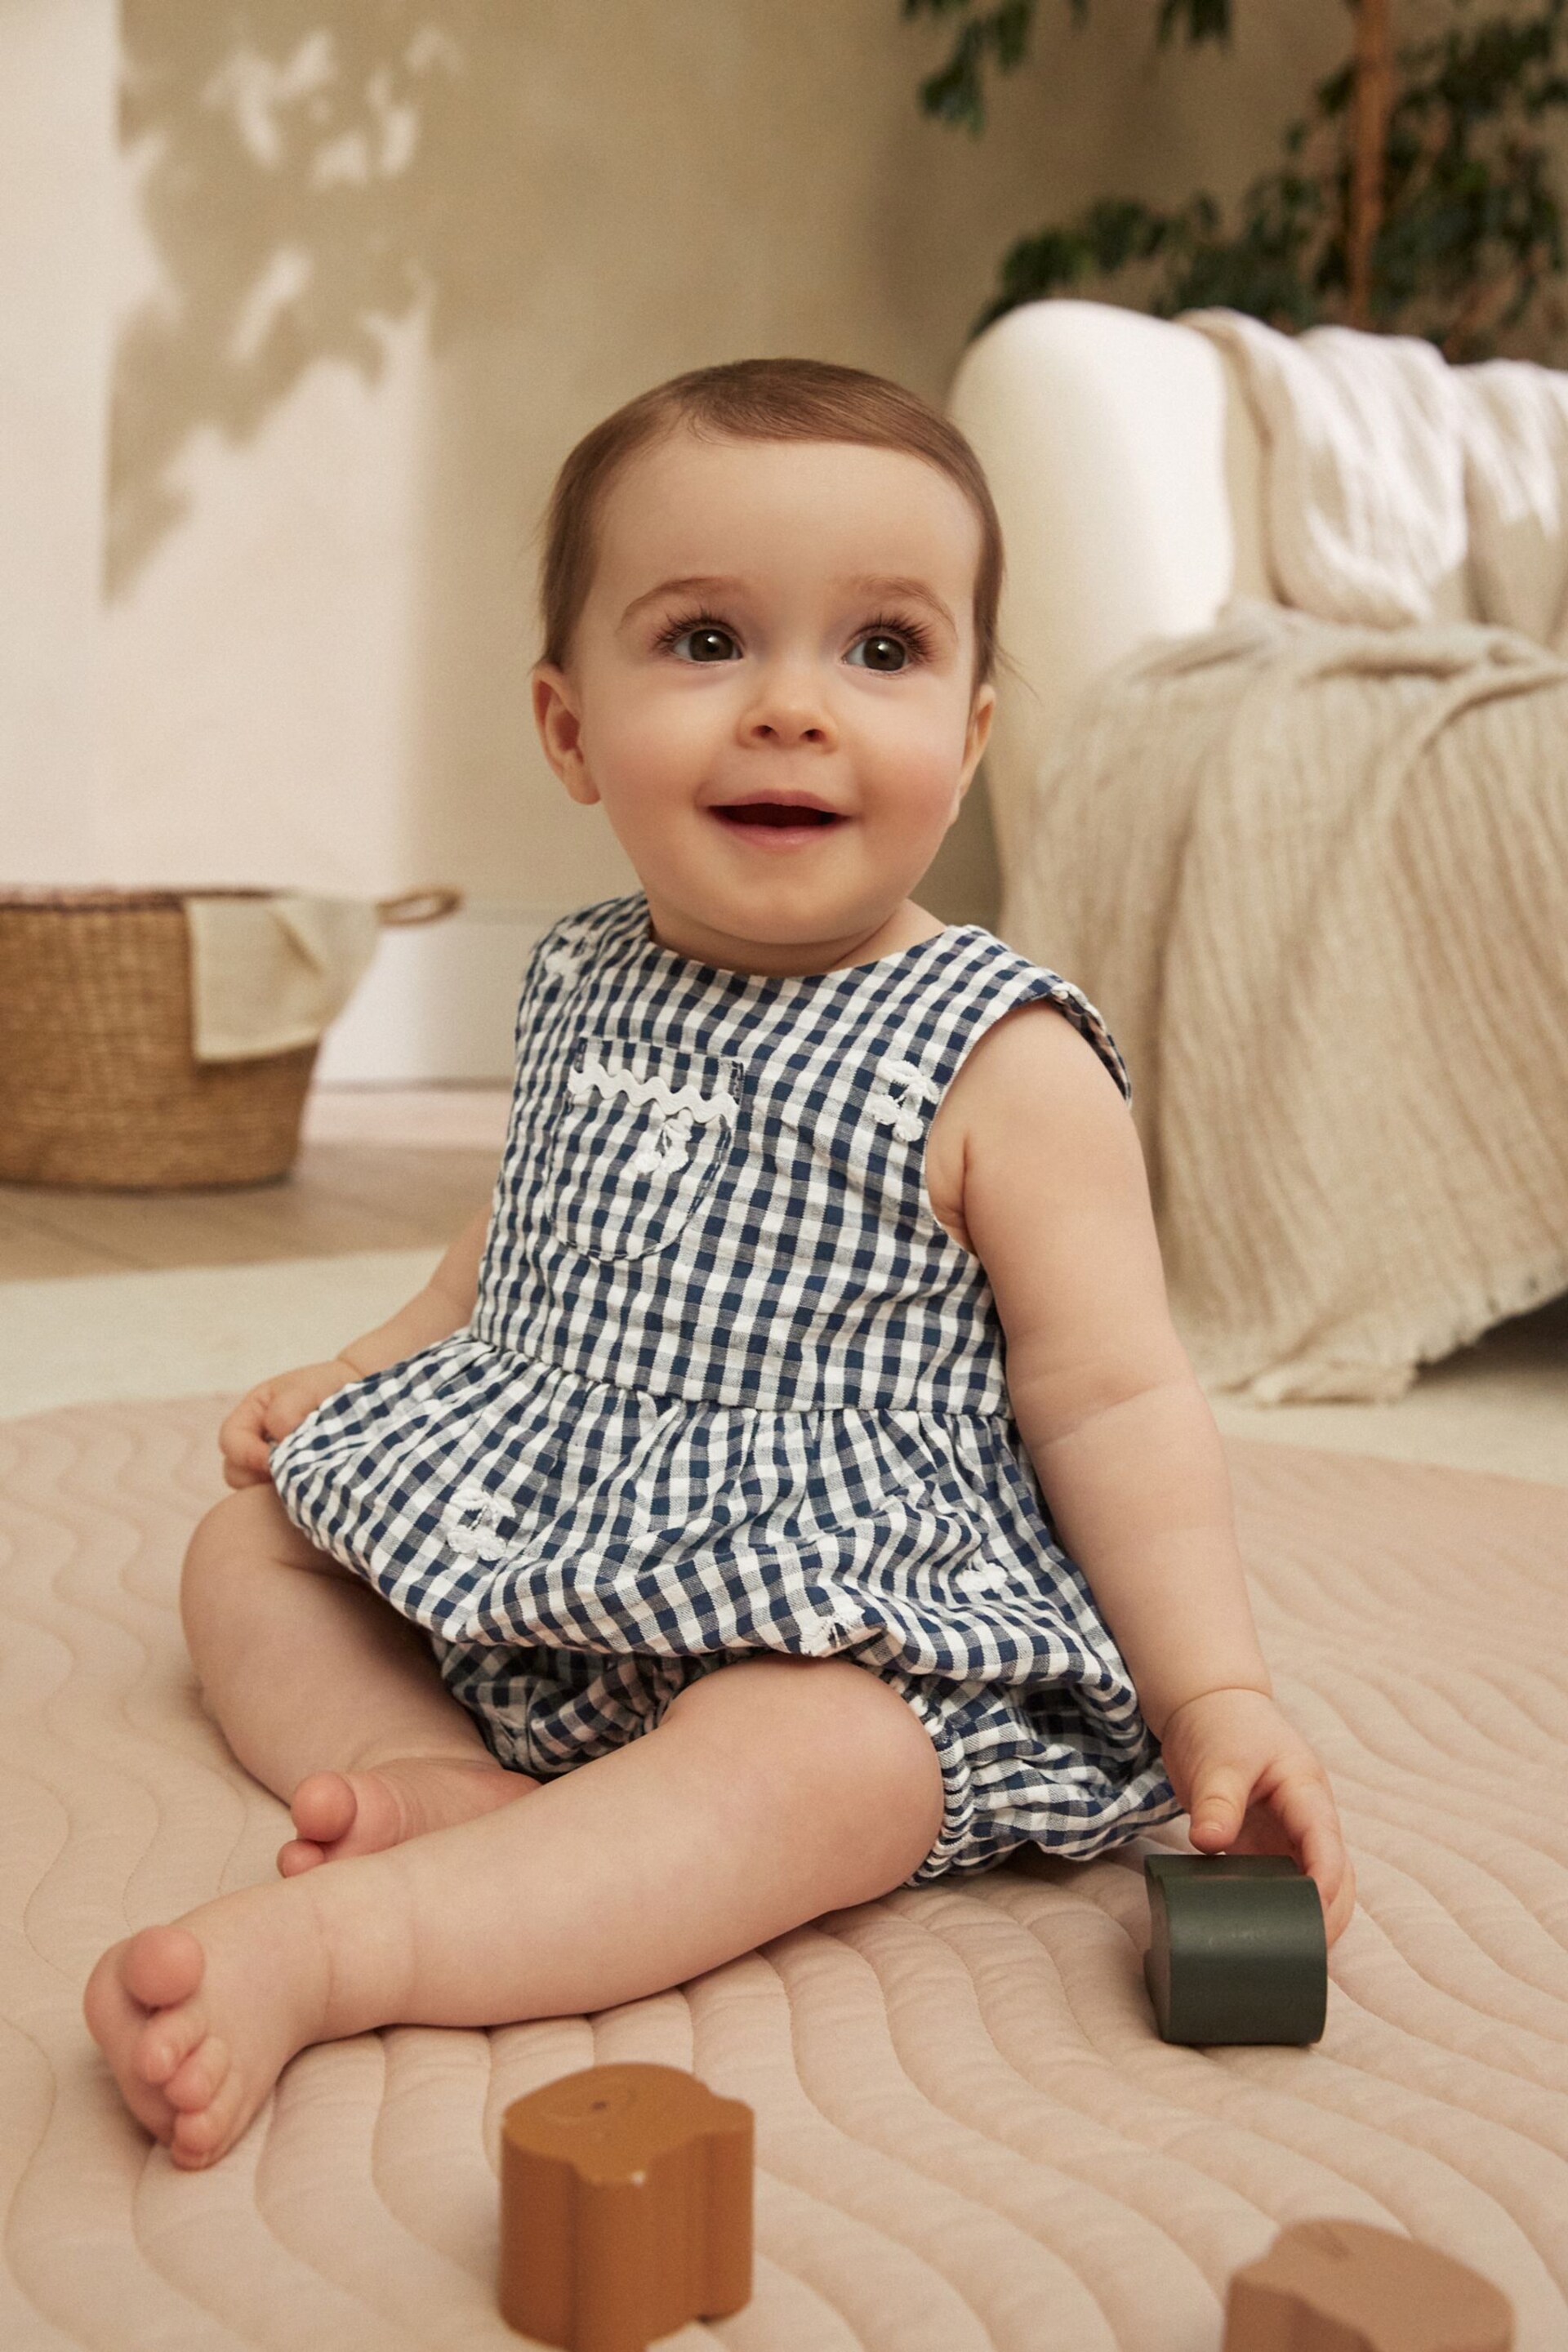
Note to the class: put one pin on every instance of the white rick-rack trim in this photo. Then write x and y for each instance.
(673, 1111)
(903, 1118)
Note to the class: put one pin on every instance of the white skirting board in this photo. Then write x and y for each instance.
(439, 1001)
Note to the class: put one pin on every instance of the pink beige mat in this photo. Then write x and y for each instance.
(968, 2134)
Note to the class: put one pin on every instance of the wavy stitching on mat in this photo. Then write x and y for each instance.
(1397, 2193)
(1303, 2155)
(90, 1760)
(1394, 1810)
(1056, 2098)
(1322, 1612)
(932, 2172)
(1317, 1653)
(267, 2334)
(1351, 1736)
(711, 2007)
(1480, 1741)
(1322, 1672)
(1261, 1471)
(877, 2227)
(824, 2312)
(853, 2223)
(311, 2117)
(1447, 1676)
(1543, 2048)
(82, 1527)
(1523, 1920)
(821, 2291)
(1311, 2089)
(1200, 2116)
(1325, 1586)
(1468, 2174)
(1512, 1911)
(43, 2291)
(191, 2300)
(102, 1742)
(11, 1775)
(1341, 1575)
(403, 2212)
(207, 1752)
(880, 2226)
(1360, 2081)
(21, 2165)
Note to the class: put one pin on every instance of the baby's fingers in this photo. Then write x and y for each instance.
(1218, 1806)
(243, 1442)
(1304, 1807)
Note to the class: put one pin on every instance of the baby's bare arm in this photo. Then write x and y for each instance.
(276, 1406)
(443, 1306)
(1056, 1203)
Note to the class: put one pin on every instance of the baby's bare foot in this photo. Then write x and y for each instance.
(339, 1814)
(199, 2020)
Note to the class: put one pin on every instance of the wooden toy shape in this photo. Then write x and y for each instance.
(625, 2207)
(1340, 2286)
(1238, 1950)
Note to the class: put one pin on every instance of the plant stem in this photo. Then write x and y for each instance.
(1374, 70)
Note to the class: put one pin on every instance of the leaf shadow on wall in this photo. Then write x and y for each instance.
(309, 178)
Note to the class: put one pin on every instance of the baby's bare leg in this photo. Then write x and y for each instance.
(323, 1692)
(773, 1789)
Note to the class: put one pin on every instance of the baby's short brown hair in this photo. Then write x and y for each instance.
(758, 400)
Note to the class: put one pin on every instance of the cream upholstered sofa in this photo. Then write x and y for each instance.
(1319, 810)
(1128, 475)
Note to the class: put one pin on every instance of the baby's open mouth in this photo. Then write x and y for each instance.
(776, 813)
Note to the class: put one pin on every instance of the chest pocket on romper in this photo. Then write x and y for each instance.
(641, 1134)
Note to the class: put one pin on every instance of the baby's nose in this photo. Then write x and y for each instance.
(788, 710)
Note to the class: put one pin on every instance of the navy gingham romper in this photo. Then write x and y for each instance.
(730, 1388)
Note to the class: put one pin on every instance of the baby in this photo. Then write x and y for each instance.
(793, 1486)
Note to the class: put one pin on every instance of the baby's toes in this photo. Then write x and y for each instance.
(323, 1806)
(201, 2136)
(165, 2042)
(161, 1967)
(117, 2023)
(200, 2076)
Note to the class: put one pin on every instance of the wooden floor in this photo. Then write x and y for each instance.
(340, 1197)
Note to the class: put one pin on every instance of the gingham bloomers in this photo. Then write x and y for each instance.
(729, 1387)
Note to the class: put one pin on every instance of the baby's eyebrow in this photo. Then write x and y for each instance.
(694, 584)
(914, 592)
(862, 583)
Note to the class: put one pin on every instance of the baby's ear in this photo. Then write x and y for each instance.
(560, 725)
(981, 711)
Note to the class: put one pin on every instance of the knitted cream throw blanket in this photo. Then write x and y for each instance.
(1316, 877)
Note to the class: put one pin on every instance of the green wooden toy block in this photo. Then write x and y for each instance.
(1238, 1950)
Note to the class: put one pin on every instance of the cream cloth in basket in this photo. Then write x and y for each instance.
(269, 974)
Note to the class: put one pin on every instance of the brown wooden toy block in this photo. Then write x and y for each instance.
(625, 2207)
(1341, 2286)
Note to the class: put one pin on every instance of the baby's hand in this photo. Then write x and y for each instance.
(270, 1411)
(1251, 1785)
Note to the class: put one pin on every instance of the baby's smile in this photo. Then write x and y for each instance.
(775, 823)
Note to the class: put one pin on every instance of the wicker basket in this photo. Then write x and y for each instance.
(99, 1085)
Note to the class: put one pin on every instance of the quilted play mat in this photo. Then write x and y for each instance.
(968, 2134)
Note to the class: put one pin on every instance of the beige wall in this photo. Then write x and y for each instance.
(59, 195)
(367, 288)
(318, 645)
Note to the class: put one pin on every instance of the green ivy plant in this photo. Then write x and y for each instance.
(1416, 195)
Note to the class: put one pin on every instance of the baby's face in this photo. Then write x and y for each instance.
(774, 627)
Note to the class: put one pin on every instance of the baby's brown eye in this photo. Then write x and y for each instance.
(708, 644)
(883, 653)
